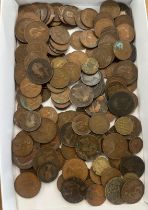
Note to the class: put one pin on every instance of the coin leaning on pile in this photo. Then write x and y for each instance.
(96, 85)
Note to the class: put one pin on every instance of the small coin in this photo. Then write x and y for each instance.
(47, 172)
(91, 80)
(132, 191)
(114, 146)
(135, 145)
(124, 125)
(68, 136)
(73, 190)
(30, 103)
(95, 195)
(68, 152)
(94, 177)
(81, 95)
(99, 124)
(89, 39)
(115, 163)
(60, 182)
(122, 50)
(60, 35)
(27, 185)
(100, 164)
(110, 7)
(80, 124)
(46, 132)
(91, 66)
(22, 144)
(75, 40)
(49, 113)
(72, 168)
(113, 190)
(61, 98)
(88, 16)
(39, 71)
(108, 174)
(132, 164)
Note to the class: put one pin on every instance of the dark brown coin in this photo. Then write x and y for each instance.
(108, 174)
(21, 53)
(19, 72)
(61, 106)
(49, 113)
(39, 71)
(88, 39)
(122, 50)
(30, 103)
(88, 16)
(36, 46)
(36, 31)
(132, 87)
(45, 94)
(115, 163)
(55, 90)
(60, 35)
(47, 172)
(95, 195)
(80, 124)
(60, 182)
(132, 191)
(113, 190)
(94, 177)
(110, 7)
(135, 145)
(69, 14)
(132, 164)
(114, 146)
(73, 190)
(46, 132)
(68, 152)
(61, 158)
(87, 147)
(75, 40)
(22, 144)
(88, 182)
(65, 117)
(81, 95)
(27, 185)
(68, 136)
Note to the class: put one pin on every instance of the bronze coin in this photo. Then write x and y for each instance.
(46, 132)
(132, 164)
(55, 90)
(21, 53)
(49, 113)
(68, 136)
(59, 47)
(110, 7)
(68, 152)
(113, 190)
(79, 21)
(99, 124)
(80, 124)
(29, 89)
(30, 103)
(61, 106)
(91, 66)
(101, 24)
(126, 32)
(87, 17)
(45, 94)
(109, 70)
(124, 125)
(88, 39)
(36, 46)
(135, 145)
(60, 182)
(132, 87)
(108, 174)
(115, 163)
(114, 146)
(27, 185)
(122, 50)
(61, 98)
(58, 62)
(65, 117)
(132, 191)
(69, 14)
(19, 73)
(54, 144)
(91, 80)
(47, 172)
(128, 176)
(100, 164)
(94, 177)
(75, 40)
(88, 182)
(36, 31)
(60, 35)
(22, 144)
(110, 116)
(61, 158)
(78, 57)
(39, 71)
(73, 190)
(137, 127)
(72, 168)
(95, 195)
(87, 147)
(81, 95)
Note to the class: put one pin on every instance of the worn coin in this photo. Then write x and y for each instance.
(101, 24)
(58, 62)
(55, 90)
(61, 98)
(110, 7)
(108, 174)
(91, 80)
(60, 35)
(126, 32)
(122, 50)
(30, 103)
(129, 175)
(65, 117)
(49, 112)
(35, 46)
(79, 21)
(89, 39)
(91, 66)
(94, 177)
(19, 72)
(75, 40)
(78, 57)
(135, 145)
(21, 53)
(45, 94)
(88, 16)
(124, 125)
(61, 106)
(88, 182)
(100, 164)
(69, 14)
(68, 152)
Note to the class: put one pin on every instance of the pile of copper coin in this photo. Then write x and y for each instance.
(82, 60)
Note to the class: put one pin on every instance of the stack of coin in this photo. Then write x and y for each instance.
(97, 81)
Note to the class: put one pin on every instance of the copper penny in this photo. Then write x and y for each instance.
(124, 125)
(75, 168)
(110, 7)
(19, 73)
(21, 53)
(60, 35)
(54, 143)
(95, 195)
(65, 117)
(122, 50)
(78, 57)
(27, 185)
(30, 103)
(36, 46)
(49, 113)
(135, 145)
(59, 47)
(79, 21)
(115, 163)
(91, 66)
(60, 182)
(94, 177)
(61, 106)
(87, 17)
(126, 32)
(101, 24)
(88, 182)
(58, 62)
(46, 94)
(61, 98)
(55, 90)
(22, 144)
(88, 39)
(108, 174)
(75, 40)
(100, 164)
(69, 14)
(68, 152)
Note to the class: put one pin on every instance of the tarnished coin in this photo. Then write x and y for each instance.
(88, 182)
(55, 90)
(45, 94)
(135, 145)
(94, 177)
(110, 7)
(61, 106)
(100, 164)
(124, 125)
(19, 72)
(46, 132)
(114, 146)
(69, 14)
(61, 98)
(101, 24)
(75, 168)
(80, 124)
(129, 175)
(89, 39)
(35, 46)
(95, 195)
(78, 57)
(68, 152)
(30, 103)
(65, 117)
(61, 48)
(126, 32)
(27, 185)
(22, 144)
(54, 144)
(137, 127)
(21, 53)
(79, 21)
(73, 190)
(99, 124)
(132, 191)
(60, 182)
(47, 172)
(68, 136)
(58, 62)
(132, 164)
(91, 80)
(122, 50)
(88, 16)
(108, 174)
(91, 66)
(113, 190)
(50, 113)
(115, 163)
(36, 31)
(75, 41)
(87, 147)
(60, 35)
(39, 71)
(81, 95)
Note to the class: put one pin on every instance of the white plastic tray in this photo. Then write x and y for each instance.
(49, 197)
